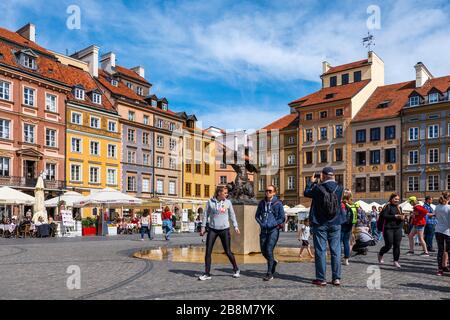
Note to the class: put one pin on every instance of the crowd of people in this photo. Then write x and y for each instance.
(17, 227)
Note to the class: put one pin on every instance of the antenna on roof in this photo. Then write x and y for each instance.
(369, 41)
(67, 52)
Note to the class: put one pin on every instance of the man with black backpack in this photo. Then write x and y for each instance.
(326, 217)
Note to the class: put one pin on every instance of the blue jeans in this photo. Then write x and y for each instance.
(167, 226)
(146, 230)
(323, 234)
(268, 240)
(429, 235)
(373, 228)
(346, 233)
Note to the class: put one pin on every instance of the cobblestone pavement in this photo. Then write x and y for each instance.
(37, 269)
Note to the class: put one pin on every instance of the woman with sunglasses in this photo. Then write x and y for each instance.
(219, 210)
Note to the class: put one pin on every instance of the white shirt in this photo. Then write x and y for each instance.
(306, 232)
(443, 219)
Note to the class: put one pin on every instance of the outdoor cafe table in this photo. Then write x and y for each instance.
(7, 227)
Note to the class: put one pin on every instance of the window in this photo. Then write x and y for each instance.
(145, 138)
(140, 91)
(160, 141)
(448, 154)
(28, 133)
(145, 185)
(173, 164)
(390, 156)
(275, 140)
(111, 177)
(223, 165)
(131, 183)
(291, 140)
(262, 159)
(389, 183)
(338, 154)
(414, 101)
(172, 190)
(206, 189)
(339, 179)
(130, 85)
(433, 131)
(131, 156)
(357, 76)
(198, 168)
(154, 103)
(159, 123)
(361, 158)
(4, 167)
(433, 155)
(146, 159)
(172, 144)
(433, 97)
(198, 190)
(323, 133)
(339, 131)
(413, 134)
(28, 61)
(112, 126)
(448, 126)
(375, 134)
(374, 183)
(333, 81)
(4, 90)
(275, 158)
(96, 98)
(95, 148)
(131, 116)
(413, 183)
(112, 151)
(448, 182)
(375, 156)
(114, 82)
(5, 129)
(360, 136)
(131, 135)
(75, 172)
(339, 112)
(76, 118)
(79, 94)
(164, 106)
(76, 145)
(94, 175)
(28, 96)
(206, 165)
(323, 156)
(50, 138)
(309, 135)
(360, 184)
(171, 126)
(146, 120)
(413, 157)
(50, 102)
(188, 167)
(344, 78)
(160, 162)
(389, 133)
(198, 145)
(291, 159)
(95, 122)
(291, 183)
(433, 183)
(188, 189)
(50, 169)
(308, 157)
(223, 179)
(309, 116)
(323, 114)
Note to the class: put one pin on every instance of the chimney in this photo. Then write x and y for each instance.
(108, 62)
(422, 74)
(28, 31)
(89, 55)
(325, 67)
(139, 70)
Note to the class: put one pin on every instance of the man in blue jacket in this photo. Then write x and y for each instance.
(325, 228)
(270, 217)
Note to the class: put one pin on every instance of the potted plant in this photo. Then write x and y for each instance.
(88, 227)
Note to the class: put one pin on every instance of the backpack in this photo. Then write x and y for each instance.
(380, 221)
(329, 206)
(352, 214)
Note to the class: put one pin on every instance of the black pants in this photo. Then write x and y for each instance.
(361, 247)
(392, 238)
(443, 243)
(268, 240)
(225, 238)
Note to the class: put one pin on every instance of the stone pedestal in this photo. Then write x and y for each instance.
(248, 241)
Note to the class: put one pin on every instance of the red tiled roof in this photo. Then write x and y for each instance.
(348, 66)
(283, 122)
(17, 38)
(339, 93)
(75, 76)
(122, 90)
(130, 74)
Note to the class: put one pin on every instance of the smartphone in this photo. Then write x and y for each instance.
(317, 176)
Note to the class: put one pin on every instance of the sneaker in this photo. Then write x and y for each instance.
(268, 277)
(380, 259)
(446, 269)
(204, 277)
(410, 253)
(319, 283)
(440, 273)
(336, 282)
(237, 274)
(346, 262)
(275, 262)
(142, 239)
(425, 254)
(397, 265)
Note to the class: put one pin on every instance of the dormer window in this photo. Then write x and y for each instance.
(329, 96)
(140, 91)
(79, 94)
(96, 98)
(383, 105)
(433, 97)
(28, 61)
(154, 103)
(114, 82)
(414, 101)
(164, 106)
(129, 85)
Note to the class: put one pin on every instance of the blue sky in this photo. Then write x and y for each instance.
(236, 64)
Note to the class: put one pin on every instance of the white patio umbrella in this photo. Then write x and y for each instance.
(39, 206)
(10, 196)
(69, 198)
(364, 206)
(407, 207)
(376, 204)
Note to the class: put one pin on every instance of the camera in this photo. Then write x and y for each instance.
(317, 176)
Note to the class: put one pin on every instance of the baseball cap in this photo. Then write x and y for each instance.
(329, 171)
(412, 198)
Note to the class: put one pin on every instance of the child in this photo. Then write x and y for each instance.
(363, 240)
(304, 233)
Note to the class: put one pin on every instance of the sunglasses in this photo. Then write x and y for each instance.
(270, 191)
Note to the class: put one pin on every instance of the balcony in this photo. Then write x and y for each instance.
(23, 182)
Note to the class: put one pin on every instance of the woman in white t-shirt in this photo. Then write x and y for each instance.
(145, 223)
(304, 235)
(442, 230)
